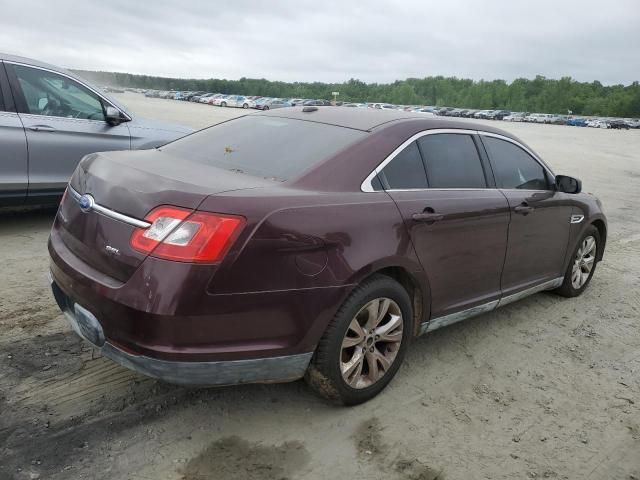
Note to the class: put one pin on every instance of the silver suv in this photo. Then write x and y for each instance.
(50, 119)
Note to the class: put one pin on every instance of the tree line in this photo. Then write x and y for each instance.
(538, 95)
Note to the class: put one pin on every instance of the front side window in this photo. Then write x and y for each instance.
(405, 171)
(452, 161)
(47, 93)
(513, 167)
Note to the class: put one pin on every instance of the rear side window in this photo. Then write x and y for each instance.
(268, 147)
(406, 170)
(513, 167)
(452, 161)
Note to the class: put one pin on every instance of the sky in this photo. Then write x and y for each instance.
(332, 41)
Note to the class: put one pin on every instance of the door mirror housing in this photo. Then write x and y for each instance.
(112, 116)
(568, 184)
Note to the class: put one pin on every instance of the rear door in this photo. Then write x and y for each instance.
(540, 215)
(63, 121)
(458, 222)
(13, 152)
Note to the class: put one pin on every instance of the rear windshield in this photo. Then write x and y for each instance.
(268, 147)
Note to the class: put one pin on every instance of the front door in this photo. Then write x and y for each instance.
(63, 121)
(458, 224)
(13, 154)
(540, 217)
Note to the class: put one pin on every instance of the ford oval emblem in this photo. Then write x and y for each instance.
(86, 203)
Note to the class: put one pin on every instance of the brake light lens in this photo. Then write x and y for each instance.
(177, 234)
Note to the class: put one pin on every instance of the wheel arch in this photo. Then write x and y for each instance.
(416, 287)
(602, 230)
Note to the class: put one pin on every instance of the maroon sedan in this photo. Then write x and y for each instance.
(311, 242)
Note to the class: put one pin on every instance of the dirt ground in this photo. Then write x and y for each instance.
(544, 388)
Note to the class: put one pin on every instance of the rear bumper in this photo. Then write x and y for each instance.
(231, 372)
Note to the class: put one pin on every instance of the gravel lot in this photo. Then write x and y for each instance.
(543, 388)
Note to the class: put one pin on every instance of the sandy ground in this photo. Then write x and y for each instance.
(544, 388)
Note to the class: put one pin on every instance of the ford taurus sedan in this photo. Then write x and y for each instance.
(311, 242)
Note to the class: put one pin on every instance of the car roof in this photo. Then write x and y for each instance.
(364, 119)
(368, 119)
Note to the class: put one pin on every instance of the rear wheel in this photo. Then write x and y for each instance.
(582, 265)
(365, 343)
(223, 104)
(266, 107)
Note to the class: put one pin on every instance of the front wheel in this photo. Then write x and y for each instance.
(265, 108)
(223, 104)
(245, 105)
(364, 344)
(583, 264)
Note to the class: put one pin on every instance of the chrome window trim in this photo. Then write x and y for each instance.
(435, 189)
(107, 212)
(68, 119)
(75, 80)
(367, 185)
(541, 162)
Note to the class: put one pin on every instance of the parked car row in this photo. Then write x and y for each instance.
(267, 103)
(546, 118)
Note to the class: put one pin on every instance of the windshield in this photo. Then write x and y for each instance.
(269, 147)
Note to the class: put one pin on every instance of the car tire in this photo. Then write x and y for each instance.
(265, 107)
(374, 306)
(582, 256)
(223, 104)
(245, 105)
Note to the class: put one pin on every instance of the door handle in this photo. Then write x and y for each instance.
(523, 209)
(42, 128)
(428, 215)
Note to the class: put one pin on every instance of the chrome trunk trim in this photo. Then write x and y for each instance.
(95, 207)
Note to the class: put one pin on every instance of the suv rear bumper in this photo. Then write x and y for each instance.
(230, 372)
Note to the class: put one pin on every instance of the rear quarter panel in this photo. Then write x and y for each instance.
(313, 241)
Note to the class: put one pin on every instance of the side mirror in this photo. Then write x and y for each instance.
(568, 184)
(112, 116)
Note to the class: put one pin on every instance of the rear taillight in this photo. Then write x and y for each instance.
(177, 234)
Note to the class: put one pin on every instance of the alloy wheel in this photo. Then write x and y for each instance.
(371, 343)
(583, 262)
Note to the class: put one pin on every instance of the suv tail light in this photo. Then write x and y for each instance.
(177, 234)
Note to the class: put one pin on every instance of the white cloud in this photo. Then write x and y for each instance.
(375, 41)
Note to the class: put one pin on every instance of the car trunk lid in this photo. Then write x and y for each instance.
(124, 187)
